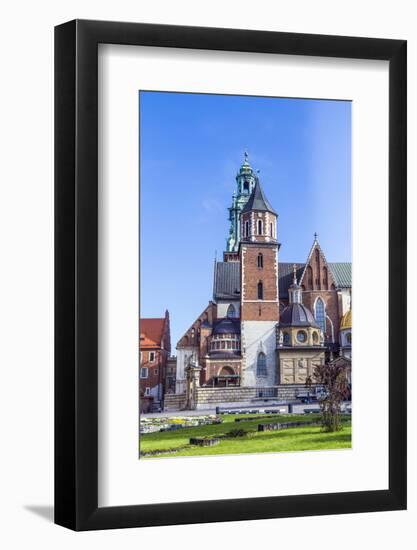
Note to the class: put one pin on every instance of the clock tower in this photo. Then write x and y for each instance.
(258, 251)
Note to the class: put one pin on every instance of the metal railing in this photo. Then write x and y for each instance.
(267, 392)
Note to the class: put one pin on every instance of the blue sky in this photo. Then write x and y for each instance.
(192, 145)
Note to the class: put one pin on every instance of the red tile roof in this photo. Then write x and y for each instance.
(151, 332)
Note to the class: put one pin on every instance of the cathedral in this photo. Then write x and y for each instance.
(268, 323)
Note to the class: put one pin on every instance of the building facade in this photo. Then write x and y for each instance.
(268, 323)
(154, 348)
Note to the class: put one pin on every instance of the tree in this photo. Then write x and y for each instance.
(333, 378)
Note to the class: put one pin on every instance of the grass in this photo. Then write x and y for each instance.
(290, 439)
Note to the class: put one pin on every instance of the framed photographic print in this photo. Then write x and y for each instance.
(230, 275)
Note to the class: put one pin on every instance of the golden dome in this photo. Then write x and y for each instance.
(346, 321)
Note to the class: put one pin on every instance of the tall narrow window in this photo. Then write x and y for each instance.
(260, 260)
(309, 277)
(261, 369)
(318, 283)
(246, 229)
(271, 229)
(260, 231)
(320, 314)
(325, 278)
(231, 311)
(260, 291)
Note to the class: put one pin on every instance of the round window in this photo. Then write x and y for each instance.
(301, 336)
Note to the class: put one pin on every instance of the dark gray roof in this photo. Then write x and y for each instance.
(286, 273)
(342, 274)
(227, 326)
(227, 280)
(258, 201)
(297, 315)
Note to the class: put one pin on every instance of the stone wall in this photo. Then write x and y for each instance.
(183, 355)
(213, 396)
(259, 336)
(210, 397)
(174, 402)
(289, 391)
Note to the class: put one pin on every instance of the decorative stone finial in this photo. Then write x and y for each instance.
(294, 280)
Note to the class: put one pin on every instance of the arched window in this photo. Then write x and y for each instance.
(260, 231)
(261, 365)
(325, 279)
(318, 281)
(226, 371)
(231, 311)
(260, 291)
(320, 314)
(246, 186)
(309, 277)
(246, 229)
(260, 260)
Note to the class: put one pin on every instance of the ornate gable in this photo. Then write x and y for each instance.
(317, 274)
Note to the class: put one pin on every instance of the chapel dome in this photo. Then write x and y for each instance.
(227, 326)
(346, 321)
(297, 315)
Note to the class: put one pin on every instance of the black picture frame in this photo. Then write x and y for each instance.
(76, 272)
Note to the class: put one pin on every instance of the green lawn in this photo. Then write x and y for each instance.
(291, 439)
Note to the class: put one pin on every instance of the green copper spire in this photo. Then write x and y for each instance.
(245, 181)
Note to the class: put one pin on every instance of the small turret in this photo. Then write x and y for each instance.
(258, 219)
(245, 183)
(295, 291)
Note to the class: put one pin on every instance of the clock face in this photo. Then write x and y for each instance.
(301, 336)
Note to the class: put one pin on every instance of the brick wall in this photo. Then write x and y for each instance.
(331, 301)
(155, 370)
(253, 308)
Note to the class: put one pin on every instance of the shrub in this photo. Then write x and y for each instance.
(236, 433)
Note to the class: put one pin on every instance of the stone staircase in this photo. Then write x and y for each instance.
(156, 406)
(174, 402)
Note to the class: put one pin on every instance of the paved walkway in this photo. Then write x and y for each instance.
(297, 408)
